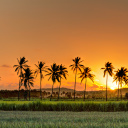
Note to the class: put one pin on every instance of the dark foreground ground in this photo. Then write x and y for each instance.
(30, 119)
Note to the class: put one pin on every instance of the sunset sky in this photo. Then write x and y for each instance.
(60, 30)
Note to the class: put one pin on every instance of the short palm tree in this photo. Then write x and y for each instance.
(19, 69)
(54, 74)
(40, 69)
(62, 72)
(76, 67)
(108, 70)
(86, 74)
(28, 79)
(121, 77)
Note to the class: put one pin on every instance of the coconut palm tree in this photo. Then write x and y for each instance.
(40, 69)
(20, 69)
(28, 79)
(62, 72)
(76, 67)
(122, 78)
(108, 70)
(86, 74)
(54, 74)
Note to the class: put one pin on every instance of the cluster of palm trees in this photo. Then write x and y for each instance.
(26, 75)
(57, 72)
(120, 77)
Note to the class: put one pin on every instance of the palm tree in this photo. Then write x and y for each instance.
(121, 78)
(28, 79)
(76, 67)
(109, 70)
(40, 69)
(63, 72)
(19, 69)
(86, 74)
(54, 74)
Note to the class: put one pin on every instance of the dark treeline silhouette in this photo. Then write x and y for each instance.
(57, 72)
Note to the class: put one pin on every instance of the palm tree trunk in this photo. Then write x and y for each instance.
(19, 89)
(52, 91)
(20, 84)
(40, 88)
(118, 91)
(106, 85)
(121, 90)
(85, 88)
(59, 89)
(75, 85)
(29, 90)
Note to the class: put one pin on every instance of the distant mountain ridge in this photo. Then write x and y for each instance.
(56, 89)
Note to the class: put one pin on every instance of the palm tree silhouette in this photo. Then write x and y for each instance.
(40, 69)
(19, 69)
(62, 72)
(54, 74)
(109, 70)
(76, 67)
(121, 77)
(86, 74)
(28, 79)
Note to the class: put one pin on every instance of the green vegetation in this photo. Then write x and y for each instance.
(77, 106)
(63, 119)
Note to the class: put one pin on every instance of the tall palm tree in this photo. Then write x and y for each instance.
(121, 77)
(63, 72)
(76, 67)
(40, 69)
(54, 74)
(19, 69)
(86, 74)
(108, 70)
(28, 79)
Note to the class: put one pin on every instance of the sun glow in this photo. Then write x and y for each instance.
(112, 88)
(113, 85)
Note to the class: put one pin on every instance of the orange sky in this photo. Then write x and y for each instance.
(60, 30)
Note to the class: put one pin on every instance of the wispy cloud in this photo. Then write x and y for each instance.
(5, 66)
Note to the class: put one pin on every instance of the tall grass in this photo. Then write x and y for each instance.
(64, 106)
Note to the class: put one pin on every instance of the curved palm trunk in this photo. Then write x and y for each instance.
(52, 91)
(118, 91)
(59, 90)
(40, 88)
(75, 85)
(85, 88)
(106, 85)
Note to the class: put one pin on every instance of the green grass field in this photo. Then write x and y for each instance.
(78, 106)
(26, 119)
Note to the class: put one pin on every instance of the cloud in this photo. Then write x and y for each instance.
(94, 87)
(5, 66)
(77, 83)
